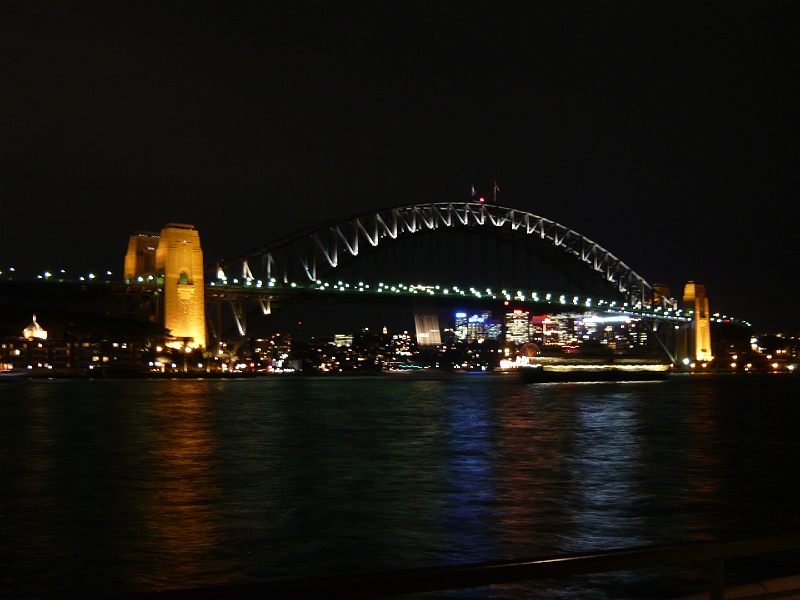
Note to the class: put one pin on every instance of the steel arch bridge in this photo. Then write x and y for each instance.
(497, 245)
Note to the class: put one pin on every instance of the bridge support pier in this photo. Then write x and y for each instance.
(699, 342)
(172, 260)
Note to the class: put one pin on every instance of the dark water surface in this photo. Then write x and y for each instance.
(114, 486)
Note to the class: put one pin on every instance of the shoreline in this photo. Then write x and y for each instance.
(422, 374)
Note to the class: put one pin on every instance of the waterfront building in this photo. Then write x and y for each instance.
(57, 355)
(34, 331)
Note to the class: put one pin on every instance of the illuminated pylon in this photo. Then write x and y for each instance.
(695, 299)
(172, 259)
(179, 260)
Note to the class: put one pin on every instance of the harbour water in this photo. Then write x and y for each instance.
(110, 486)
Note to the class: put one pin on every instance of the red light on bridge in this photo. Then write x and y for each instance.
(481, 199)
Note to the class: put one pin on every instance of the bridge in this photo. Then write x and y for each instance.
(434, 248)
(434, 254)
(439, 252)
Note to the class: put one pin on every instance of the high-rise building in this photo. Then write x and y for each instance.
(518, 326)
(492, 327)
(460, 328)
(477, 327)
(428, 333)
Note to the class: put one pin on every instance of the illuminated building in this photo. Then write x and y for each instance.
(518, 326)
(696, 300)
(428, 333)
(343, 339)
(460, 328)
(34, 331)
(492, 327)
(401, 344)
(477, 327)
(177, 265)
(54, 355)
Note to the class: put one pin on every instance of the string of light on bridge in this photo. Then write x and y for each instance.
(531, 296)
(525, 296)
(60, 275)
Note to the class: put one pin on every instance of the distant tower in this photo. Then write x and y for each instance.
(695, 298)
(179, 260)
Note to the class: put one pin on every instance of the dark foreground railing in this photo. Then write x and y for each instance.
(412, 581)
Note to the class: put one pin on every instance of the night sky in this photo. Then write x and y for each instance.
(667, 132)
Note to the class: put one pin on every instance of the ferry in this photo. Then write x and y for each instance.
(587, 370)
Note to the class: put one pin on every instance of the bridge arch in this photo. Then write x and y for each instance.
(325, 251)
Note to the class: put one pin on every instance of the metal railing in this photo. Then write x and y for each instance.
(414, 581)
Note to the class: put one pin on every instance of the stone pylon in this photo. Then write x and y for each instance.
(695, 298)
(173, 260)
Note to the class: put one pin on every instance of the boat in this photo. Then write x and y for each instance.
(589, 371)
(8, 374)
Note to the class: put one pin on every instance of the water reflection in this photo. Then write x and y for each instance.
(604, 469)
(531, 463)
(108, 487)
(469, 463)
(705, 476)
(179, 517)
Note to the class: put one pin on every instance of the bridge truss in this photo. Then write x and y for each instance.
(495, 244)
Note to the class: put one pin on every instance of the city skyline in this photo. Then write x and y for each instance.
(666, 133)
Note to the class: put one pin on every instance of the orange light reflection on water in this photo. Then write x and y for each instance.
(180, 511)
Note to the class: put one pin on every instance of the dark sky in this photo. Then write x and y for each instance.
(667, 132)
